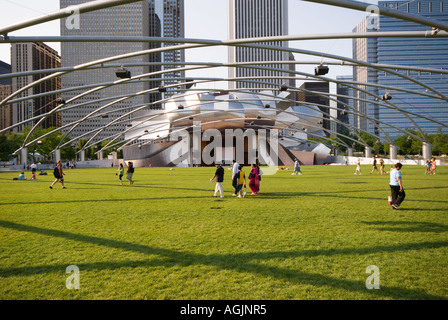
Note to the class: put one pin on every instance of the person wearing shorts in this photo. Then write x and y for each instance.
(120, 173)
(358, 167)
(130, 173)
(59, 175)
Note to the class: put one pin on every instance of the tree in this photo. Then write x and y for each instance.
(5, 148)
(408, 144)
(440, 142)
(373, 142)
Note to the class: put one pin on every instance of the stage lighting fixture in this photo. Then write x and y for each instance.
(123, 73)
(387, 96)
(321, 70)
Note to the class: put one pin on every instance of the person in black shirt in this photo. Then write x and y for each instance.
(130, 172)
(374, 167)
(219, 175)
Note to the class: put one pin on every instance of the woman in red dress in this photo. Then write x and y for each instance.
(254, 179)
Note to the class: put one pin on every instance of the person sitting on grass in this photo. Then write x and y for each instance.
(22, 176)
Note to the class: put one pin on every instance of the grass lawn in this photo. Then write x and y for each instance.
(165, 237)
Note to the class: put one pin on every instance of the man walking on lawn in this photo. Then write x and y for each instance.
(219, 175)
(396, 186)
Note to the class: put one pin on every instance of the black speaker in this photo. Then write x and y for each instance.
(386, 97)
(321, 70)
(123, 73)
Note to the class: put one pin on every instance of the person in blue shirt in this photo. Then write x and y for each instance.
(396, 186)
(22, 176)
(296, 167)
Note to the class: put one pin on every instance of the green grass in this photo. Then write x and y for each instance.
(302, 237)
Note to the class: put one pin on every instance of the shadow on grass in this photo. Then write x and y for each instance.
(408, 226)
(236, 262)
(352, 182)
(343, 194)
(101, 200)
(138, 184)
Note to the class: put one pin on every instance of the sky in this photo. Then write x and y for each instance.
(207, 19)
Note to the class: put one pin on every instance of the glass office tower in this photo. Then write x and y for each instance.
(413, 52)
(252, 19)
(149, 18)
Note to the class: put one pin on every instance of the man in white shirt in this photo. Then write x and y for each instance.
(33, 167)
(234, 177)
(396, 186)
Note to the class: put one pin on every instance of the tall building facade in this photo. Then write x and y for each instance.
(345, 104)
(30, 57)
(413, 52)
(5, 91)
(149, 18)
(251, 19)
(314, 97)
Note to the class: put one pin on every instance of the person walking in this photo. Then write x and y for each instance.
(433, 165)
(296, 167)
(254, 179)
(58, 174)
(396, 186)
(358, 167)
(33, 167)
(374, 167)
(219, 175)
(130, 172)
(428, 167)
(241, 180)
(120, 173)
(234, 179)
(382, 166)
(260, 173)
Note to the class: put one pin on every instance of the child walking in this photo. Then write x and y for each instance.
(241, 178)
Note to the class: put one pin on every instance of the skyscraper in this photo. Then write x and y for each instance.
(5, 91)
(344, 113)
(322, 101)
(413, 52)
(29, 57)
(149, 18)
(251, 19)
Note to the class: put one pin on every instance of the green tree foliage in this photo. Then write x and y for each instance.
(408, 144)
(439, 141)
(5, 149)
(44, 146)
